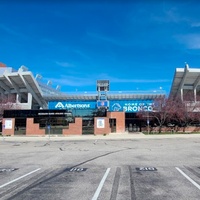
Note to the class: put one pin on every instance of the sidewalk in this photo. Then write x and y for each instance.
(111, 136)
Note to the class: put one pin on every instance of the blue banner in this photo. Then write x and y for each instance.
(102, 103)
(71, 105)
(130, 105)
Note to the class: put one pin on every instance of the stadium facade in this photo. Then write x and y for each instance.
(31, 94)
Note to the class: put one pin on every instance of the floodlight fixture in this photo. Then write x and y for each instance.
(23, 69)
(58, 87)
(38, 76)
(49, 82)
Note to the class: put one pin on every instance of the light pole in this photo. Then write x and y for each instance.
(148, 122)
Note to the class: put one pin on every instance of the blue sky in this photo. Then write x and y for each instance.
(136, 46)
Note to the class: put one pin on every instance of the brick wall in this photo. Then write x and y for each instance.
(172, 129)
(33, 129)
(8, 126)
(120, 120)
(74, 128)
(192, 129)
(101, 131)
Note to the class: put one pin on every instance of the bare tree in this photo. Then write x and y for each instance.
(7, 102)
(161, 111)
(163, 108)
(174, 110)
(184, 116)
(185, 112)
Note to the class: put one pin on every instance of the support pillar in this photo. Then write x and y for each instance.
(195, 95)
(181, 94)
(18, 98)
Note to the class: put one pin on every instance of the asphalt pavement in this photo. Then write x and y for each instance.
(112, 167)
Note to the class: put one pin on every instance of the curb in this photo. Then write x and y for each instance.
(113, 136)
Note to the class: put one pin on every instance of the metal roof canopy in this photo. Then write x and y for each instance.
(125, 96)
(185, 78)
(21, 82)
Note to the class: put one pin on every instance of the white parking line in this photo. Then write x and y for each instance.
(19, 178)
(188, 178)
(101, 185)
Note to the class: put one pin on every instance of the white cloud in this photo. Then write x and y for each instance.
(191, 41)
(91, 80)
(195, 24)
(176, 15)
(140, 80)
(170, 15)
(73, 81)
(81, 54)
(111, 40)
(64, 64)
(48, 41)
(10, 31)
(120, 80)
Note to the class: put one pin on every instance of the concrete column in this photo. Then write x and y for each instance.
(30, 97)
(18, 98)
(181, 94)
(195, 95)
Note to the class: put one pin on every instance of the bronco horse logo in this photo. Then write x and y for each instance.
(116, 107)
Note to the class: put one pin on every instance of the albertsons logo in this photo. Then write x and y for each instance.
(59, 105)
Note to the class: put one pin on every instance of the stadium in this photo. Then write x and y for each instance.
(39, 109)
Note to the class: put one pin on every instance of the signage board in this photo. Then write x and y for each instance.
(72, 105)
(8, 124)
(102, 103)
(36, 113)
(100, 123)
(130, 105)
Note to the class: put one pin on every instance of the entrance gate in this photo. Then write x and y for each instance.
(113, 125)
(132, 122)
(88, 126)
(20, 126)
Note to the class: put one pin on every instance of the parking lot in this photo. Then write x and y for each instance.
(156, 168)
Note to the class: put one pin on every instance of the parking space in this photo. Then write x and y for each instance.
(125, 182)
(59, 183)
(165, 183)
(114, 170)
